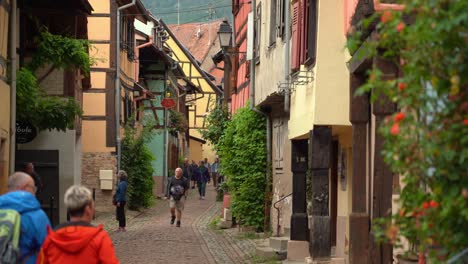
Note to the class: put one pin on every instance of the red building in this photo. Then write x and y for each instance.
(240, 66)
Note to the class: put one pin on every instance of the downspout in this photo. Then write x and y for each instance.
(252, 105)
(117, 86)
(286, 56)
(13, 87)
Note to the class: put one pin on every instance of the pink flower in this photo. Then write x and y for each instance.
(402, 86)
(386, 16)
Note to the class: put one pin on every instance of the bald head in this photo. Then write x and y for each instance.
(20, 181)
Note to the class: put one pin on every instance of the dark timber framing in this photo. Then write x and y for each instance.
(110, 81)
(299, 162)
(320, 153)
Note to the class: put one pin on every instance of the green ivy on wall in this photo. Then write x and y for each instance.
(33, 104)
(242, 148)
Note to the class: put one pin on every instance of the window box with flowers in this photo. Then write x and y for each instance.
(177, 123)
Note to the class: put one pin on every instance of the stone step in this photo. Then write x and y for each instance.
(270, 253)
(225, 224)
(291, 262)
(262, 242)
(309, 260)
(298, 250)
(279, 243)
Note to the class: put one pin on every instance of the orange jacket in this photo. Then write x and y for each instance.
(77, 243)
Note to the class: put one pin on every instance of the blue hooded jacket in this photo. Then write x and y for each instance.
(33, 222)
(121, 193)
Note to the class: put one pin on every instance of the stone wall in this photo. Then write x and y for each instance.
(92, 163)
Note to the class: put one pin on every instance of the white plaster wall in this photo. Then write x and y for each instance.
(270, 70)
(69, 148)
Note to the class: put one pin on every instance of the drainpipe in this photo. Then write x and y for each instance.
(13, 87)
(117, 86)
(286, 56)
(252, 103)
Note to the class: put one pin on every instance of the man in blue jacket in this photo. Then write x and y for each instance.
(21, 197)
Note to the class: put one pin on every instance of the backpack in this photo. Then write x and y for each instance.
(10, 223)
(177, 192)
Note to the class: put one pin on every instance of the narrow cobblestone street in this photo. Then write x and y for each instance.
(151, 239)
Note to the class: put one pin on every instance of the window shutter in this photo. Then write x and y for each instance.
(258, 31)
(312, 32)
(273, 22)
(296, 36)
(304, 30)
(280, 18)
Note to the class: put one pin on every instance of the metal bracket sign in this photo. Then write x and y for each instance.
(168, 102)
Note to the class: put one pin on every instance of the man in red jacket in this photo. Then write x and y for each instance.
(77, 241)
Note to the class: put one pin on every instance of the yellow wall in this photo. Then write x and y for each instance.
(4, 101)
(100, 6)
(97, 33)
(100, 52)
(196, 151)
(95, 136)
(98, 80)
(94, 104)
(332, 95)
(325, 100)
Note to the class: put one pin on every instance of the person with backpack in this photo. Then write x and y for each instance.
(77, 241)
(177, 190)
(203, 177)
(33, 222)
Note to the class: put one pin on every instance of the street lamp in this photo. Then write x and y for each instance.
(225, 35)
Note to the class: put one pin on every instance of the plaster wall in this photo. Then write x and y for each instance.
(332, 95)
(93, 104)
(271, 70)
(94, 136)
(101, 32)
(69, 152)
(100, 6)
(4, 134)
(98, 80)
(100, 52)
(196, 151)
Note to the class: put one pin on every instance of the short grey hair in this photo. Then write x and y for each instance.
(122, 174)
(77, 197)
(16, 180)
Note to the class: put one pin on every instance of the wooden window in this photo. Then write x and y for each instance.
(296, 36)
(258, 31)
(280, 18)
(311, 45)
(130, 39)
(278, 130)
(272, 23)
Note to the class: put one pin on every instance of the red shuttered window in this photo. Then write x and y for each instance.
(296, 36)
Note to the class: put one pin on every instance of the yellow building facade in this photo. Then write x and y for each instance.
(4, 95)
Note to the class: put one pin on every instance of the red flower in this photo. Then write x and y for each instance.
(395, 130)
(433, 204)
(386, 16)
(465, 121)
(400, 26)
(426, 205)
(402, 86)
(400, 116)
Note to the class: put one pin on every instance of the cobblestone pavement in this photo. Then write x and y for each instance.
(151, 239)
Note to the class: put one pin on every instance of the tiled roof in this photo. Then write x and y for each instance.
(197, 38)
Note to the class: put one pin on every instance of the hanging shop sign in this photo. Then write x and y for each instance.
(25, 132)
(168, 102)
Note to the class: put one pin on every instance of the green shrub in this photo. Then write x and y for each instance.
(136, 161)
(242, 147)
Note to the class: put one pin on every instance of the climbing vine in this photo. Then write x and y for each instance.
(217, 121)
(33, 104)
(243, 145)
(426, 141)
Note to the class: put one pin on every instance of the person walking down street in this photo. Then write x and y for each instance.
(187, 169)
(208, 166)
(202, 179)
(78, 241)
(214, 172)
(121, 200)
(28, 167)
(177, 191)
(34, 222)
(194, 167)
